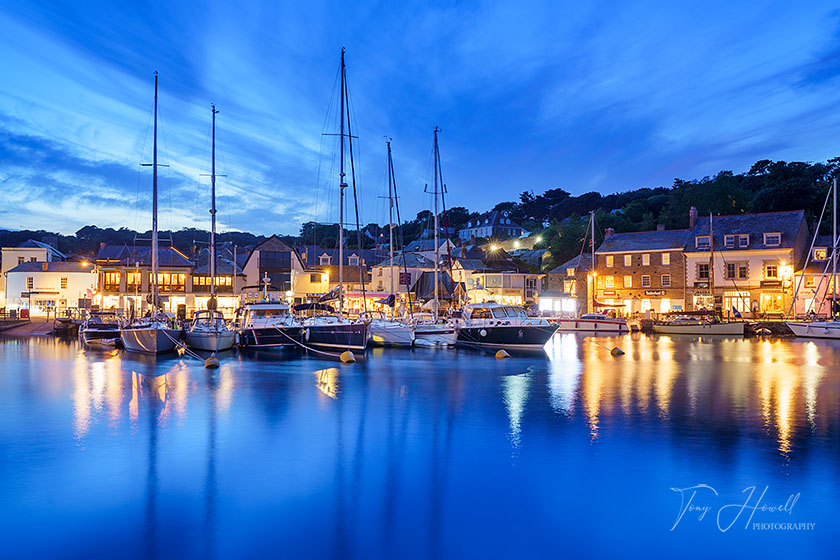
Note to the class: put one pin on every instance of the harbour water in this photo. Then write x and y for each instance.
(423, 453)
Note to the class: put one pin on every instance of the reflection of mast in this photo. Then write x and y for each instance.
(157, 398)
(210, 490)
(439, 472)
(394, 469)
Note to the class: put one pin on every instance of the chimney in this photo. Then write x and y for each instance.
(609, 231)
(660, 227)
(102, 245)
(692, 217)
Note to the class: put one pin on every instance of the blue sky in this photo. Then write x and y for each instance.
(603, 96)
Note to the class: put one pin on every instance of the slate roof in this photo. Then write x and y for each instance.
(414, 260)
(128, 256)
(469, 264)
(756, 225)
(31, 243)
(492, 219)
(51, 266)
(645, 241)
(224, 262)
(310, 255)
(425, 245)
(585, 264)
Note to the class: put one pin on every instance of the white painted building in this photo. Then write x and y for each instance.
(45, 287)
(30, 251)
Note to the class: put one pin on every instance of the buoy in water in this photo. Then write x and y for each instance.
(502, 354)
(212, 362)
(616, 351)
(347, 357)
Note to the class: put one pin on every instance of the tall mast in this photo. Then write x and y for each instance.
(155, 206)
(391, 223)
(213, 209)
(437, 266)
(341, 186)
(592, 241)
(834, 248)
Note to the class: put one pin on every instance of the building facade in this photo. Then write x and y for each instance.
(29, 251)
(566, 288)
(491, 225)
(640, 272)
(49, 287)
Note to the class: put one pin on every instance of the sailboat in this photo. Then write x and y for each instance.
(829, 328)
(385, 331)
(154, 333)
(428, 331)
(593, 322)
(336, 331)
(705, 323)
(208, 330)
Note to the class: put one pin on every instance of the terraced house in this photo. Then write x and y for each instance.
(641, 271)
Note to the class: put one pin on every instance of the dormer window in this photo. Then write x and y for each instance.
(820, 253)
(728, 241)
(744, 241)
(702, 242)
(570, 271)
(353, 260)
(772, 239)
(324, 260)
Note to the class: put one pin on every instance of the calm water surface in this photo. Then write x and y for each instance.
(426, 454)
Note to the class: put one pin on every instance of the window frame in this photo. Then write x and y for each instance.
(775, 235)
(665, 283)
(645, 280)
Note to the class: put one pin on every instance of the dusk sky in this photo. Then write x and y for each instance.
(603, 96)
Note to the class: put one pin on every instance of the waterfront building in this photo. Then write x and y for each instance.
(125, 278)
(640, 271)
(277, 261)
(491, 225)
(230, 279)
(426, 248)
(28, 251)
(497, 277)
(49, 287)
(565, 289)
(754, 260)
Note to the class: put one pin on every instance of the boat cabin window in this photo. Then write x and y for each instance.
(480, 313)
(269, 313)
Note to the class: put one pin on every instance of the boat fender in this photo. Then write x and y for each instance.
(501, 354)
(212, 362)
(482, 332)
(306, 335)
(521, 333)
(347, 357)
(616, 351)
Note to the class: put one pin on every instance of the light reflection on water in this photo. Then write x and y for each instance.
(413, 454)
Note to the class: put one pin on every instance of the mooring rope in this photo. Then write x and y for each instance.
(308, 348)
(184, 347)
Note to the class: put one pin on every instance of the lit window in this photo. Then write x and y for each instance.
(628, 281)
(628, 260)
(771, 271)
(64, 283)
(742, 271)
(743, 241)
(610, 261)
(666, 280)
(646, 259)
(609, 282)
(702, 242)
(570, 272)
(666, 259)
(810, 282)
(772, 239)
(645, 281)
(316, 278)
(729, 241)
(820, 254)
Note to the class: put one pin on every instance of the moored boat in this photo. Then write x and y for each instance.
(594, 322)
(386, 332)
(99, 326)
(209, 331)
(816, 329)
(429, 333)
(684, 324)
(267, 324)
(497, 326)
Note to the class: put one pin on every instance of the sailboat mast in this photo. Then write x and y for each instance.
(213, 208)
(391, 222)
(437, 258)
(341, 186)
(834, 248)
(155, 205)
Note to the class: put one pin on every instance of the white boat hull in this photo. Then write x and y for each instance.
(149, 340)
(391, 335)
(430, 336)
(816, 329)
(210, 341)
(731, 329)
(593, 325)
